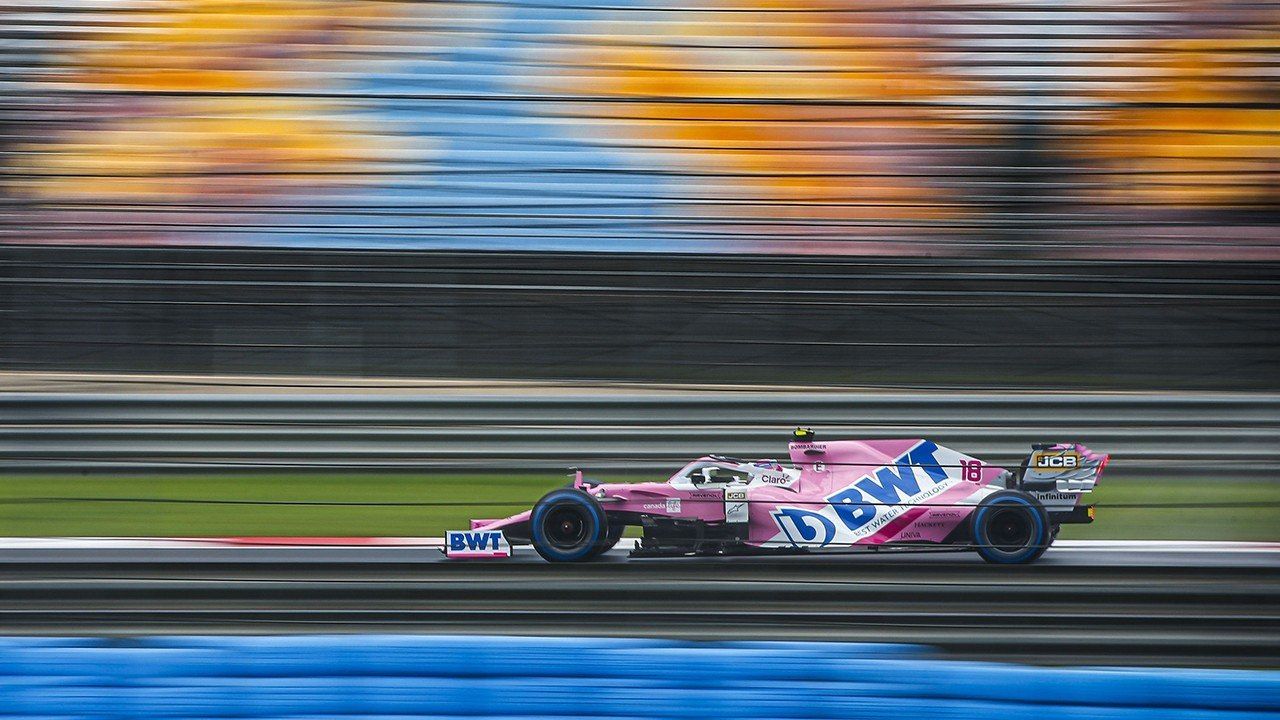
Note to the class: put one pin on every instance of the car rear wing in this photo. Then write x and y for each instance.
(1062, 467)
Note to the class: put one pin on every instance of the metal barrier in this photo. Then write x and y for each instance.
(902, 323)
(453, 676)
(1148, 434)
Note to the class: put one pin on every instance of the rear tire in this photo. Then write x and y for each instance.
(1011, 527)
(568, 525)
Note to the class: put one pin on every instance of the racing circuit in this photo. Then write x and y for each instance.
(1085, 601)
(784, 345)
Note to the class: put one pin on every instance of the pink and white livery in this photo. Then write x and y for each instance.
(831, 495)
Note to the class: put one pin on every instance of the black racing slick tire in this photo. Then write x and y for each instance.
(1011, 527)
(568, 525)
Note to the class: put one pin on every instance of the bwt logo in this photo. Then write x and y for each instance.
(476, 544)
(858, 504)
(1063, 461)
(474, 541)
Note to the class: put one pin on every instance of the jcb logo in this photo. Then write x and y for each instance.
(1060, 461)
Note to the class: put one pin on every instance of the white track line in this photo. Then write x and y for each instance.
(90, 543)
(1166, 546)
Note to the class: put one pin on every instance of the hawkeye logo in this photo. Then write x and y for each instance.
(476, 544)
(873, 500)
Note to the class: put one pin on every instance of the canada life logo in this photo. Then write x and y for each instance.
(873, 500)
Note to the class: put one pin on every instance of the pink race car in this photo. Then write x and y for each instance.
(840, 494)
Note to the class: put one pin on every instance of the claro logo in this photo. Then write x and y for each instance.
(1060, 460)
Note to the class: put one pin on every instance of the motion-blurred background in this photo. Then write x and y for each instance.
(350, 272)
(1033, 194)
(1047, 130)
(419, 201)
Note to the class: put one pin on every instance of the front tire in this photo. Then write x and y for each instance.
(568, 525)
(1011, 527)
(611, 538)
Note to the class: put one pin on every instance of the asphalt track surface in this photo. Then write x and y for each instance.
(1192, 604)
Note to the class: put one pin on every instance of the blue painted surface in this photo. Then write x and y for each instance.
(405, 676)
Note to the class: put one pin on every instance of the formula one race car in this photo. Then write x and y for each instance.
(842, 494)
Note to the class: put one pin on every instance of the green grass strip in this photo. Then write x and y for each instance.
(37, 505)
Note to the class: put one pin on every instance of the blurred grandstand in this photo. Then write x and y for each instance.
(1085, 129)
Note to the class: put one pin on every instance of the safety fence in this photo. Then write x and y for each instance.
(1152, 435)
(369, 676)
